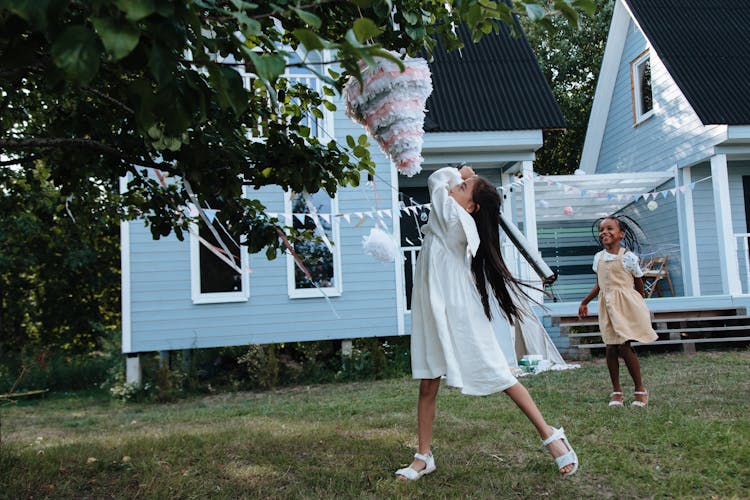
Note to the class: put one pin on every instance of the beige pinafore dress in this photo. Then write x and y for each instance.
(623, 314)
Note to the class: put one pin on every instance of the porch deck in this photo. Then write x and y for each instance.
(679, 321)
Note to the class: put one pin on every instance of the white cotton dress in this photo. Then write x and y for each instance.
(451, 335)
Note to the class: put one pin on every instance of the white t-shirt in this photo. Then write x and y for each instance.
(629, 261)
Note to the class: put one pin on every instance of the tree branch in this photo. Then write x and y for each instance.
(44, 143)
(111, 100)
(17, 161)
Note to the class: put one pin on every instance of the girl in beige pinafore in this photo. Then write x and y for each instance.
(623, 314)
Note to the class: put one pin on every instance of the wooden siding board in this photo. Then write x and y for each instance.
(163, 313)
(673, 135)
(705, 232)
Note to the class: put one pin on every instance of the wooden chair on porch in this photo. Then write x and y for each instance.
(654, 271)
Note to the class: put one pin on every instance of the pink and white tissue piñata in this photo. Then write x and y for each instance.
(390, 103)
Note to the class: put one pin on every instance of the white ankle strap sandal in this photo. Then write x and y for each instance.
(413, 475)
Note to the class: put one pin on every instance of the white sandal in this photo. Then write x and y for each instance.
(614, 402)
(413, 475)
(563, 460)
(640, 404)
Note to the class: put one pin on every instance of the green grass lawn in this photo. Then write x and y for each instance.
(346, 440)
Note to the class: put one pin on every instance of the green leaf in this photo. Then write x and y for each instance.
(310, 40)
(160, 63)
(249, 26)
(365, 28)
(77, 53)
(119, 36)
(35, 13)
(588, 6)
(240, 5)
(308, 17)
(535, 12)
(228, 86)
(324, 78)
(268, 67)
(154, 132)
(329, 105)
(135, 10)
(568, 12)
(410, 17)
(350, 141)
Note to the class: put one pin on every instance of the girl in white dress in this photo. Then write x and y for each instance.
(451, 330)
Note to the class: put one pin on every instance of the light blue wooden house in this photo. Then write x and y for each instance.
(489, 106)
(671, 106)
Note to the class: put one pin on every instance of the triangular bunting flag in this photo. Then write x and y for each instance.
(210, 214)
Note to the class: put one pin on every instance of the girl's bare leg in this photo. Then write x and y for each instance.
(523, 400)
(428, 389)
(634, 368)
(612, 352)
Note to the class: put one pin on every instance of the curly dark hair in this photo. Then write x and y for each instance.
(634, 234)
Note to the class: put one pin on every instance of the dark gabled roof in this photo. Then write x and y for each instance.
(495, 84)
(705, 46)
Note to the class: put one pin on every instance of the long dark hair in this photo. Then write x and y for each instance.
(488, 264)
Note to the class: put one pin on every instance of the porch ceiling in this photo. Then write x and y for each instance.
(591, 196)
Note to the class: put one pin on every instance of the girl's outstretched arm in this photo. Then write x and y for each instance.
(583, 309)
(639, 286)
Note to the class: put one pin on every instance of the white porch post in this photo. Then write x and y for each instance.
(686, 212)
(529, 219)
(529, 203)
(510, 253)
(133, 373)
(730, 273)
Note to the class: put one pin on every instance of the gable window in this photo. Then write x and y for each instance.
(215, 276)
(322, 256)
(640, 76)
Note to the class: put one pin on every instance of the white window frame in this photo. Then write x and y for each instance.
(315, 292)
(195, 274)
(636, 70)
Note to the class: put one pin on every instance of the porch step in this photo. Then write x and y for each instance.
(686, 328)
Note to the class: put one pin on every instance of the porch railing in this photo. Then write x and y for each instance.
(743, 260)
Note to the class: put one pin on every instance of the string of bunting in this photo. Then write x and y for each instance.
(634, 197)
(349, 216)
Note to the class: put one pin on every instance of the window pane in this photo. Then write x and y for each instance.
(412, 220)
(216, 275)
(647, 102)
(314, 254)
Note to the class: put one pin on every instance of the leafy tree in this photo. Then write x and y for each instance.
(59, 263)
(571, 59)
(100, 89)
(91, 91)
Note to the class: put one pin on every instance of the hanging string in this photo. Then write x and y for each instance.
(209, 224)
